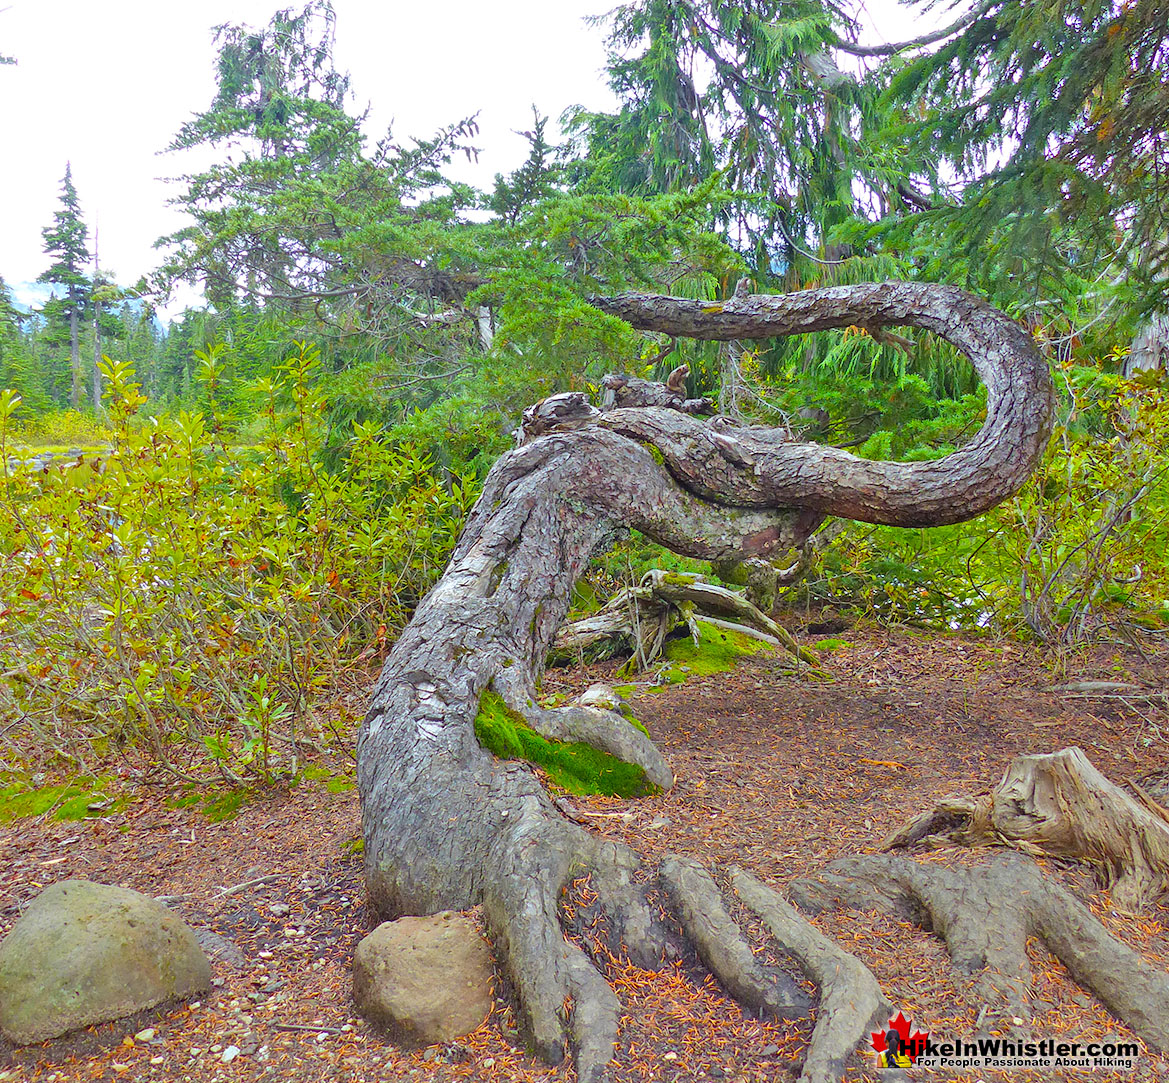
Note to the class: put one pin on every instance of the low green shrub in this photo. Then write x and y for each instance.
(1084, 545)
(176, 599)
(61, 429)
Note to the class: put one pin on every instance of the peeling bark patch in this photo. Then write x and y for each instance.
(577, 768)
(763, 542)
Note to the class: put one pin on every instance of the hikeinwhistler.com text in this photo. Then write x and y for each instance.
(1009, 1053)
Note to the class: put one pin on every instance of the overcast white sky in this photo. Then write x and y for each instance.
(105, 85)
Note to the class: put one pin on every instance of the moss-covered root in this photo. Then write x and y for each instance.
(719, 647)
(583, 749)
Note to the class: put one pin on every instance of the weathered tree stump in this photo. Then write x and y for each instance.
(1059, 805)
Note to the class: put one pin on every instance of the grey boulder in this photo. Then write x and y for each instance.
(85, 953)
(423, 979)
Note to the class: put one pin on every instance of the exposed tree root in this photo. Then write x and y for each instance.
(1059, 805)
(600, 725)
(721, 946)
(851, 1002)
(985, 915)
(549, 972)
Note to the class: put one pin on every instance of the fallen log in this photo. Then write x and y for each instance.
(640, 618)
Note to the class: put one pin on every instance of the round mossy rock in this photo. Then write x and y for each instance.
(85, 953)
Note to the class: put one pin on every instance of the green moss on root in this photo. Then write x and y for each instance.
(718, 650)
(578, 768)
(626, 712)
(654, 452)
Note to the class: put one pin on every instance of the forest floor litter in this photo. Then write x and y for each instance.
(775, 774)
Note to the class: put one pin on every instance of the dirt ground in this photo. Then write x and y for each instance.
(776, 774)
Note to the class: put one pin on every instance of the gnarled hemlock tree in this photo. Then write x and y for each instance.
(448, 826)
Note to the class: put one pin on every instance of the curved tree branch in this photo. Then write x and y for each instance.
(763, 468)
(892, 48)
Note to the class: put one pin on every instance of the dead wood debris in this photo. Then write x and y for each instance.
(640, 618)
(1059, 805)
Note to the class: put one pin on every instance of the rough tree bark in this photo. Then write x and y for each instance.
(446, 825)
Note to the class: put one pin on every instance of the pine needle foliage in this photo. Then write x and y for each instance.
(1040, 133)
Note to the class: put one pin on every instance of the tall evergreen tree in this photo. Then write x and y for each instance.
(277, 219)
(65, 242)
(1039, 133)
(748, 89)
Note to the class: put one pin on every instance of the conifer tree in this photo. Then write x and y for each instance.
(65, 243)
(19, 368)
(272, 222)
(747, 89)
(1038, 133)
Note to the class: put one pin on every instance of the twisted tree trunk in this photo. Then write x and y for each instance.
(448, 826)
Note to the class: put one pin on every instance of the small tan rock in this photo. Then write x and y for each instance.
(423, 979)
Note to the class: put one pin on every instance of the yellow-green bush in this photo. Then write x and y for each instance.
(1085, 544)
(177, 597)
(63, 428)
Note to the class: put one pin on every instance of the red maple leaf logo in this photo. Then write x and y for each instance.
(899, 1044)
